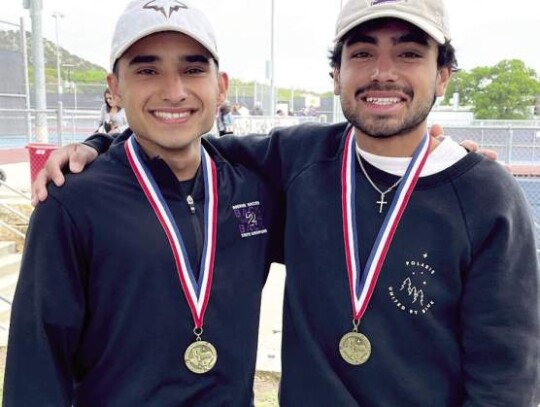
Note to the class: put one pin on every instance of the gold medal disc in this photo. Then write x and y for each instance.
(355, 348)
(200, 357)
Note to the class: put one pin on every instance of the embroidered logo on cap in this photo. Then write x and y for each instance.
(375, 2)
(250, 218)
(167, 7)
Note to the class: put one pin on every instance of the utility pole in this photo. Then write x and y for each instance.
(38, 59)
(272, 64)
(26, 82)
(56, 16)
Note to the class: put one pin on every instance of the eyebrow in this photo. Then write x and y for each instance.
(146, 59)
(415, 37)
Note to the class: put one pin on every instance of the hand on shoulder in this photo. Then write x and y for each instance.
(76, 156)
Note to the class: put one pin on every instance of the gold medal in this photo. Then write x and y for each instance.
(200, 357)
(355, 348)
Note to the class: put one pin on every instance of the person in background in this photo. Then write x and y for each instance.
(234, 110)
(257, 110)
(141, 280)
(112, 118)
(225, 119)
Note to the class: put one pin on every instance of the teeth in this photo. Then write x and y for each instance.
(171, 116)
(383, 101)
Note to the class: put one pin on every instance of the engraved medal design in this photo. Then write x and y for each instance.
(200, 357)
(355, 347)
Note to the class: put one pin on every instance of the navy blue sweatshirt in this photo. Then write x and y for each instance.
(99, 316)
(454, 318)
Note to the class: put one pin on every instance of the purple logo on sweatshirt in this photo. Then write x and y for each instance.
(250, 219)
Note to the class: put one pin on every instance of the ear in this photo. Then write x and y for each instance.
(336, 76)
(443, 79)
(112, 82)
(223, 85)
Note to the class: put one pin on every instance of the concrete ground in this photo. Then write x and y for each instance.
(269, 352)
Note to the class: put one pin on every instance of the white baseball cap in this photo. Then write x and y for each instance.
(144, 17)
(428, 15)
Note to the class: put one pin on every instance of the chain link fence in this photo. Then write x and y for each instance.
(516, 143)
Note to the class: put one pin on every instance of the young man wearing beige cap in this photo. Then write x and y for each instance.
(141, 279)
(412, 274)
(412, 277)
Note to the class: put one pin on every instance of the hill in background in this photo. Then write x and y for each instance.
(10, 40)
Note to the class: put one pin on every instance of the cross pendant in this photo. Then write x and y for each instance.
(381, 203)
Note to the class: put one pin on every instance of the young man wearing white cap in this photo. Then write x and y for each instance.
(141, 279)
(412, 277)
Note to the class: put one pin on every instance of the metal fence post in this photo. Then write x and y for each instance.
(482, 141)
(73, 128)
(510, 139)
(533, 154)
(60, 124)
(26, 84)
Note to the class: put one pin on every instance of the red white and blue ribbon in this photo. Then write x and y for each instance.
(197, 292)
(362, 284)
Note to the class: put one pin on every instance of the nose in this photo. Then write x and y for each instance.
(383, 69)
(174, 89)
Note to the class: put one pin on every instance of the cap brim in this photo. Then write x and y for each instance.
(417, 21)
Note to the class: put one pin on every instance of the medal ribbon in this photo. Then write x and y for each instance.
(363, 284)
(197, 293)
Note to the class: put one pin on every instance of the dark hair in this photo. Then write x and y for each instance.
(446, 56)
(105, 93)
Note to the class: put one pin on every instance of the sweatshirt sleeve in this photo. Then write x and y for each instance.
(499, 316)
(257, 152)
(99, 142)
(47, 313)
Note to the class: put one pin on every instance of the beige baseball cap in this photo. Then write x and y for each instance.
(144, 17)
(428, 15)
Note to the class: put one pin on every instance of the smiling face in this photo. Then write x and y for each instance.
(170, 89)
(388, 79)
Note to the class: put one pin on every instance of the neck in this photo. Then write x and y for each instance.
(402, 145)
(183, 162)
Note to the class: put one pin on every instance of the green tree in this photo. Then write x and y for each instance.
(505, 91)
